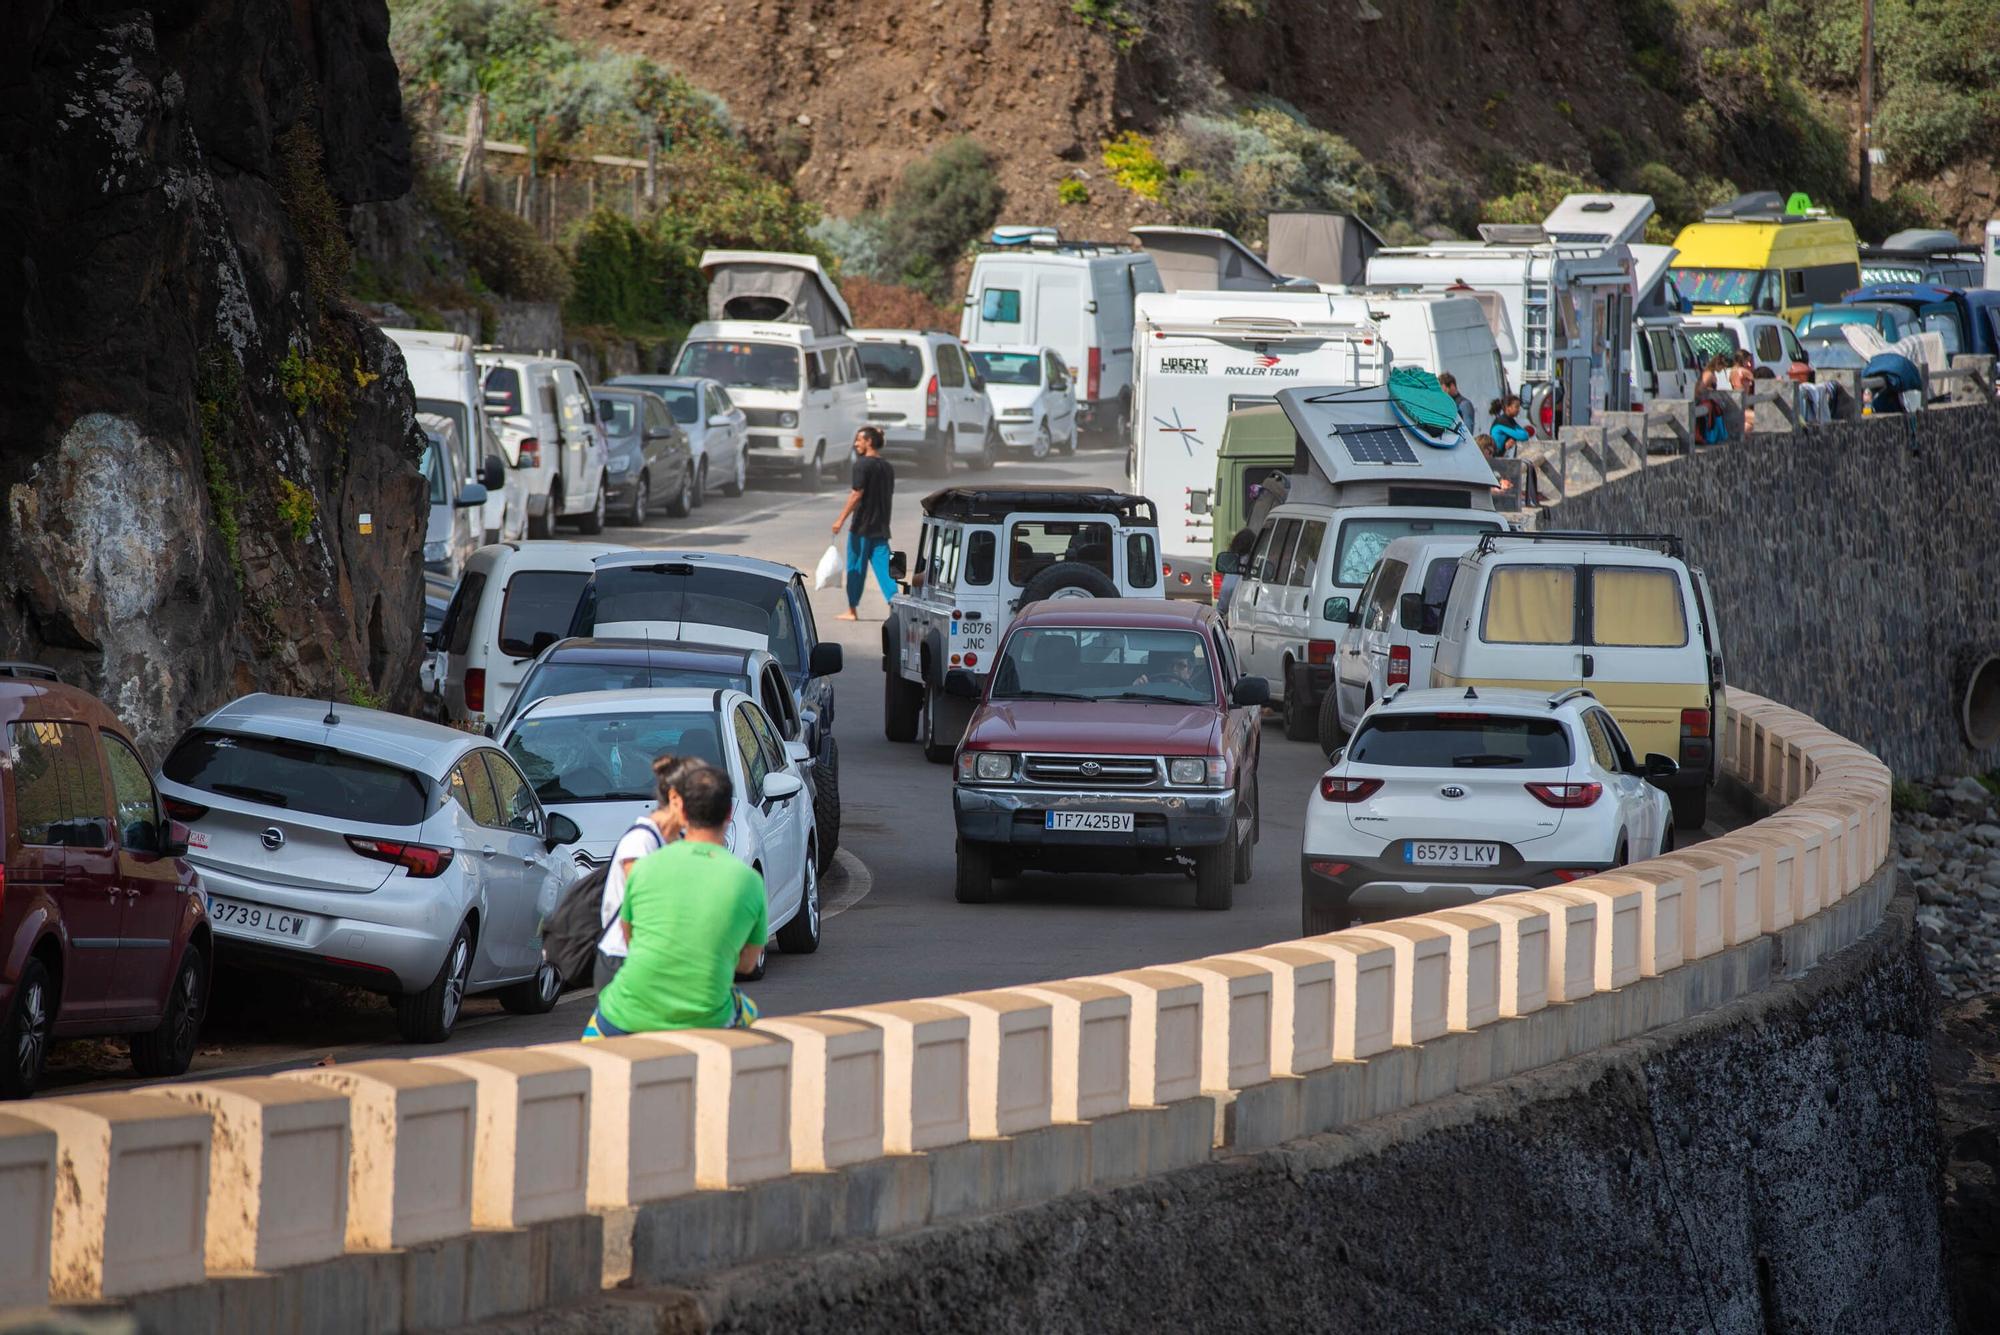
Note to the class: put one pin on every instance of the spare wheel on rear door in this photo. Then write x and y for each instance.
(1069, 579)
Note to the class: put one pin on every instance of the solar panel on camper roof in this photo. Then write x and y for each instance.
(1376, 444)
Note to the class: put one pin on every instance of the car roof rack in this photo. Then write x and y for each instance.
(29, 672)
(1669, 543)
(994, 503)
(1561, 698)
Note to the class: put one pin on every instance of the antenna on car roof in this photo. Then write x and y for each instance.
(332, 719)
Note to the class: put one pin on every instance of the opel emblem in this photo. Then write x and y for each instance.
(274, 838)
(1451, 790)
(1090, 769)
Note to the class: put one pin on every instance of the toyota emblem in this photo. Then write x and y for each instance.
(274, 838)
(1451, 790)
(1090, 769)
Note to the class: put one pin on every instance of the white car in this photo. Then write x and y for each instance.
(716, 428)
(1443, 798)
(1033, 394)
(926, 398)
(558, 452)
(590, 758)
(1395, 632)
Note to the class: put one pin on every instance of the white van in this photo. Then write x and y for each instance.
(445, 379)
(548, 428)
(927, 397)
(514, 600)
(776, 336)
(1396, 623)
(1620, 614)
(1073, 296)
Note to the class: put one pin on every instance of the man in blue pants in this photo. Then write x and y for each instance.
(874, 487)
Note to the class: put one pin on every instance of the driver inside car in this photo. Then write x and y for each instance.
(1164, 668)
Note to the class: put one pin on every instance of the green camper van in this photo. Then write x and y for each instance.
(1252, 468)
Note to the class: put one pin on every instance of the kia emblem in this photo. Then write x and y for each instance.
(1090, 769)
(1451, 790)
(274, 838)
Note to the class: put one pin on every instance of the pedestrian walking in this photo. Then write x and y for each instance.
(694, 918)
(873, 484)
(648, 834)
(1449, 384)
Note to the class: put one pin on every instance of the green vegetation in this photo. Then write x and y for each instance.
(502, 250)
(218, 394)
(296, 508)
(942, 205)
(1133, 163)
(314, 214)
(1072, 191)
(1117, 19)
(1907, 796)
(355, 689)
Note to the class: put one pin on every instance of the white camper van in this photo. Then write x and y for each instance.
(445, 379)
(776, 335)
(1029, 286)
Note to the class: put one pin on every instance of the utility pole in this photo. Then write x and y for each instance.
(1867, 98)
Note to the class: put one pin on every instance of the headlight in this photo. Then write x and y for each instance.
(1197, 771)
(991, 766)
(439, 550)
(788, 419)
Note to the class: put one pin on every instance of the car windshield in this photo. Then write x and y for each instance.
(891, 365)
(451, 412)
(1105, 663)
(619, 415)
(1719, 287)
(433, 467)
(683, 403)
(297, 776)
(673, 591)
(1829, 350)
(575, 678)
(608, 757)
(1009, 368)
(1712, 342)
(1826, 317)
(1362, 541)
(1460, 740)
(743, 365)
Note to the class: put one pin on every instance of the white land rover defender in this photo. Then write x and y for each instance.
(984, 554)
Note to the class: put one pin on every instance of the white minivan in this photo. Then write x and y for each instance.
(445, 379)
(1396, 623)
(777, 337)
(547, 422)
(927, 398)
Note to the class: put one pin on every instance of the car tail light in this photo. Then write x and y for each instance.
(1320, 651)
(530, 453)
(1186, 578)
(1166, 570)
(1215, 585)
(972, 660)
(1696, 725)
(1566, 795)
(1336, 789)
(931, 399)
(1571, 873)
(475, 690)
(1327, 869)
(357, 964)
(1093, 372)
(420, 860)
(1399, 665)
(185, 812)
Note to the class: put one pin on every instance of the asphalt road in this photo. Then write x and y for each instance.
(894, 929)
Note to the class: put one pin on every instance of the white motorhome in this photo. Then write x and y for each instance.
(1029, 286)
(776, 335)
(445, 379)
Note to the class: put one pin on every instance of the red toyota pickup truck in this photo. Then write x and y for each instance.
(1114, 735)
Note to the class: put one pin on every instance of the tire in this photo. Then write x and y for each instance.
(1215, 876)
(24, 1039)
(1244, 864)
(169, 1049)
(682, 505)
(989, 450)
(536, 996)
(1690, 806)
(635, 514)
(938, 462)
(429, 1016)
(902, 705)
(800, 936)
(809, 473)
(1040, 449)
(1301, 720)
(1092, 582)
(826, 801)
(1331, 734)
(975, 874)
(1068, 447)
(935, 751)
(763, 959)
(701, 484)
(738, 480)
(593, 522)
(545, 527)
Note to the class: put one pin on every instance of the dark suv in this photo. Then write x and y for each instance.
(102, 920)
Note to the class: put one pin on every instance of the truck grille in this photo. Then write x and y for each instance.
(767, 417)
(1093, 771)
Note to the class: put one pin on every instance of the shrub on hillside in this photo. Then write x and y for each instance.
(879, 305)
(502, 250)
(1536, 189)
(943, 203)
(1133, 164)
(1230, 171)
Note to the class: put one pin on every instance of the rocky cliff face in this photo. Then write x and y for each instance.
(207, 479)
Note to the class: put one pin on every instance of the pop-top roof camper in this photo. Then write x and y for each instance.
(1205, 259)
(1328, 248)
(773, 287)
(1363, 446)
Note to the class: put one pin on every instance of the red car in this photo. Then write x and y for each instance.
(101, 918)
(1116, 734)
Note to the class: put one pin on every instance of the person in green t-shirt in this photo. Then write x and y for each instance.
(694, 918)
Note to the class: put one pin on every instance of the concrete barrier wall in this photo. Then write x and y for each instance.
(408, 1195)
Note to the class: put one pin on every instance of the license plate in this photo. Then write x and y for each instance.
(1095, 822)
(256, 920)
(1418, 853)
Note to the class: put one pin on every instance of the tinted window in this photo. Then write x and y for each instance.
(1437, 591)
(502, 388)
(1305, 556)
(736, 599)
(746, 365)
(1768, 347)
(58, 785)
(538, 602)
(1001, 305)
(433, 466)
(297, 776)
(1280, 557)
(751, 751)
(472, 788)
(138, 810)
(1362, 540)
(684, 404)
(818, 374)
(1385, 589)
(1142, 565)
(979, 550)
(951, 371)
(891, 365)
(767, 737)
(1036, 544)
(1445, 741)
(458, 617)
(606, 757)
(517, 803)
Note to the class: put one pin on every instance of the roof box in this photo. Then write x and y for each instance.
(1325, 247)
(774, 286)
(1599, 220)
(1929, 241)
(1205, 259)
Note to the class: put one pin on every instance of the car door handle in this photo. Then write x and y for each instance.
(487, 851)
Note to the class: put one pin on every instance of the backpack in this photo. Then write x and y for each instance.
(571, 933)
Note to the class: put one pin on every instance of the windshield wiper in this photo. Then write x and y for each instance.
(264, 795)
(1045, 695)
(1481, 761)
(1147, 696)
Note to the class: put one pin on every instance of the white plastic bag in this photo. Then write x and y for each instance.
(829, 570)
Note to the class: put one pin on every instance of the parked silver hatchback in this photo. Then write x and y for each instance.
(373, 849)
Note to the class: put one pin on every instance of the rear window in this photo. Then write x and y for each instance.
(1363, 540)
(575, 678)
(1461, 741)
(1530, 605)
(538, 602)
(1630, 607)
(502, 387)
(1637, 607)
(684, 404)
(297, 776)
(736, 599)
(1000, 305)
(891, 365)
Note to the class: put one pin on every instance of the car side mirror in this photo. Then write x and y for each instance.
(962, 684)
(557, 830)
(899, 566)
(1335, 610)
(1229, 563)
(825, 660)
(719, 419)
(1410, 611)
(1197, 502)
(1661, 767)
(493, 473)
(177, 840)
(1250, 692)
(781, 787)
(473, 494)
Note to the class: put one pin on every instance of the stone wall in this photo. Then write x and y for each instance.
(1855, 565)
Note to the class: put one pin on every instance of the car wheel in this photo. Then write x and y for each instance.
(429, 1016)
(535, 996)
(763, 959)
(24, 1040)
(1215, 876)
(809, 473)
(902, 705)
(637, 514)
(545, 527)
(739, 479)
(936, 751)
(700, 489)
(1040, 449)
(1069, 442)
(1301, 720)
(1332, 736)
(1246, 846)
(682, 505)
(1069, 579)
(169, 1049)
(1256, 810)
(989, 450)
(594, 521)
(800, 936)
(975, 874)
(826, 801)
(1690, 807)
(937, 463)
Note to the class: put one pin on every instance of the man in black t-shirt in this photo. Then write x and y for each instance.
(874, 487)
